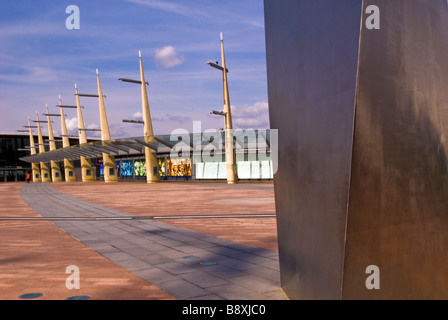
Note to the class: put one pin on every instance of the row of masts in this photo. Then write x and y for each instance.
(41, 172)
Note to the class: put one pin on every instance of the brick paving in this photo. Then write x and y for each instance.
(189, 198)
(34, 256)
(138, 258)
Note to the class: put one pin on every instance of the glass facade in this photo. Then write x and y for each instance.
(11, 168)
(179, 167)
(176, 161)
(249, 169)
(127, 168)
(140, 168)
(9, 153)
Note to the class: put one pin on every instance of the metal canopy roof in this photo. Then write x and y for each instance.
(90, 150)
(162, 144)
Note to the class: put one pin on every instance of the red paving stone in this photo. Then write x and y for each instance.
(192, 198)
(34, 256)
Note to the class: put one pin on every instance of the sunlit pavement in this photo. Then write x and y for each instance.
(133, 240)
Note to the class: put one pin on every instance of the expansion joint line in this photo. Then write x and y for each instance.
(233, 216)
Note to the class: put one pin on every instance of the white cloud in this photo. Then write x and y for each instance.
(96, 134)
(33, 72)
(201, 10)
(72, 125)
(172, 118)
(93, 126)
(254, 116)
(30, 73)
(172, 7)
(137, 115)
(161, 5)
(167, 57)
(31, 28)
(125, 130)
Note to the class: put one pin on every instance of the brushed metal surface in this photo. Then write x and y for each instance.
(363, 152)
(398, 209)
(312, 55)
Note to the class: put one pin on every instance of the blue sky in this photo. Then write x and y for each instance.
(40, 58)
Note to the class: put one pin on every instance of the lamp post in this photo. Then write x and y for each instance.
(55, 169)
(69, 168)
(110, 169)
(232, 177)
(34, 166)
(44, 170)
(152, 164)
(86, 165)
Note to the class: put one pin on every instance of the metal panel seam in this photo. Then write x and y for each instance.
(353, 138)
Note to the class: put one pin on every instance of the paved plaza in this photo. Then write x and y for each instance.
(132, 240)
